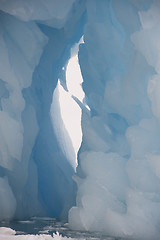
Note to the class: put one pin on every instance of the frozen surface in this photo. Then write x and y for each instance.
(51, 12)
(45, 228)
(35, 174)
(9, 234)
(118, 173)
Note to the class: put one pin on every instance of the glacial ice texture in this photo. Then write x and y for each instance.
(35, 174)
(118, 176)
(118, 173)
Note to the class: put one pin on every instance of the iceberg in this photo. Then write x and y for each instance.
(118, 172)
(115, 188)
(36, 176)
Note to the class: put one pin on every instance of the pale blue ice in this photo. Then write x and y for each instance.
(112, 184)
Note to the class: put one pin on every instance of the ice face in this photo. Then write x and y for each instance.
(118, 173)
(36, 176)
(52, 13)
(118, 162)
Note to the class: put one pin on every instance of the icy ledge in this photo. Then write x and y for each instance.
(9, 234)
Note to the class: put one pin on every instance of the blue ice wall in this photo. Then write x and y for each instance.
(35, 176)
(118, 173)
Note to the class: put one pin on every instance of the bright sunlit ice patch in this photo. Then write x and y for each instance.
(73, 74)
(69, 111)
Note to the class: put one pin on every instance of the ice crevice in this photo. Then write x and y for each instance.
(35, 45)
(114, 124)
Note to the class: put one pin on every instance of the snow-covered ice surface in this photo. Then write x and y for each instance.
(45, 229)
